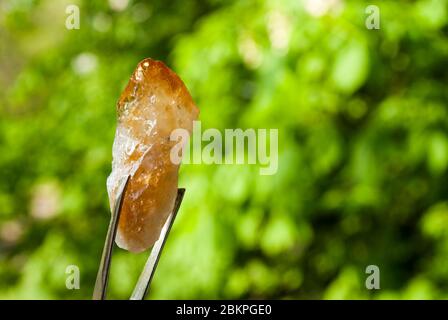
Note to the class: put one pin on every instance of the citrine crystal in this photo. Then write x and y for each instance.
(154, 103)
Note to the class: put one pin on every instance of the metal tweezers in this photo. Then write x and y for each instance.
(142, 287)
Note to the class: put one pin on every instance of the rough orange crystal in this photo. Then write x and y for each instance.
(154, 103)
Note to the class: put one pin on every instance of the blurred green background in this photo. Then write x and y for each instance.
(363, 146)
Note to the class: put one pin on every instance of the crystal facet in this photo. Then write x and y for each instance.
(154, 103)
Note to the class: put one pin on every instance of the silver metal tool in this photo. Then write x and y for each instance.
(142, 287)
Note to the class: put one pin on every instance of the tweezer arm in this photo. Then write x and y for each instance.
(144, 281)
(99, 293)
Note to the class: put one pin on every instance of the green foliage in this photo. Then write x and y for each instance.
(363, 147)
